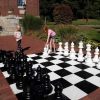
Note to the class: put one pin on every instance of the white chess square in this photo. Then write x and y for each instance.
(94, 80)
(5, 73)
(41, 60)
(1, 65)
(32, 55)
(72, 62)
(54, 67)
(53, 76)
(74, 93)
(57, 61)
(58, 56)
(92, 71)
(72, 69)
(73, 79)
(14, 89)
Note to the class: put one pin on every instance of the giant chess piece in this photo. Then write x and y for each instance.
(72, 52)
(96, 56)
(88, 50)
(88, 60)
(60, 48)
(19, 81)
(45, 52)
(80, 53)
(47, 87)
(66, 51)
(39, 76)
(13, 72)
(58, 92)
(27, 93)
(30, 72)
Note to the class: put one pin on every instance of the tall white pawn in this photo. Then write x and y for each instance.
(60, 48)
(88, 60)
(66, 51)
(88, 50)
(96, 55)
(72, 52)
(98, 65)
(80, 53)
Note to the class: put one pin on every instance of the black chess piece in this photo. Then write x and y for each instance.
(19, 80)
(47, 87)
(27, 93)
(39, 76)
(13, 70)
(30, 72)
(58, 92)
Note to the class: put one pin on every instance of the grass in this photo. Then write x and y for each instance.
(83, 22)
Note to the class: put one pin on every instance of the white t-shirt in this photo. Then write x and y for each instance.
(18, 35)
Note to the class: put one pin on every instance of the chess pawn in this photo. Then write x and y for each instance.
(29, 72)
(45, 52)
(98, 64)
(58, 92)
(13, 73)
(60, 49)
(88, 60)
(72, 52)
(88, 49)
(19, 81)
(47, 88)
(80, 53)
(66, 51)
(27, 93)
(96, 55)
(39, 76)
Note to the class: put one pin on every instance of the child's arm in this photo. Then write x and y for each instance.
(47, 39)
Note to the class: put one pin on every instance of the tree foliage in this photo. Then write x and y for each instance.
(80, 8)
(62, 14)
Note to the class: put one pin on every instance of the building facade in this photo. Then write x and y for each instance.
(19, 7)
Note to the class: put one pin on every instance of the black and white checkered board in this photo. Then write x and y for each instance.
(78, 79)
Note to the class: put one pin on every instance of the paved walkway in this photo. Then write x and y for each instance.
(30, 44)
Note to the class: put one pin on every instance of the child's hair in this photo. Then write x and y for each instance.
(18, 27)
(45, 29)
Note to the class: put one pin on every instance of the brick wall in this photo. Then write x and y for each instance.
(32, 7)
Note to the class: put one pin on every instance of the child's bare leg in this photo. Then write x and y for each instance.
(53, 42)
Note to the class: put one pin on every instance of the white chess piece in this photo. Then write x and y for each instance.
(98, 65)
(88, 60)
(60, 48)
(96, 55)
(80, 53)
(72, 52)
(45, 52)
(66, 51)
(88, 50)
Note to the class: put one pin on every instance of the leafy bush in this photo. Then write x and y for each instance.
(31, 23)
(67, 33)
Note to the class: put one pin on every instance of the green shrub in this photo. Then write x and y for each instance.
(31, 23)
(67, 33)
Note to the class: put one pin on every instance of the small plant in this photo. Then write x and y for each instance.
(67, 33)
(31, 23)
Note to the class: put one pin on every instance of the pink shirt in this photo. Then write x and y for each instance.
(51, 32)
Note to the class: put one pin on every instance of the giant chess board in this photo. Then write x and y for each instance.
(77, 78)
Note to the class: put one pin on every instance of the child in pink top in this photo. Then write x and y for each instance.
(50, 38)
